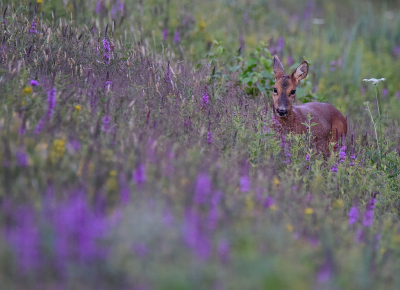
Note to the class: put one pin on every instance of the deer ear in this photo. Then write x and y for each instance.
(278, 68)
(300, 72)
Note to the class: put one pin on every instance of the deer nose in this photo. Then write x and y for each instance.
(281, 113)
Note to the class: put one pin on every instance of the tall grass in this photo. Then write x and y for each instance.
(132, 159)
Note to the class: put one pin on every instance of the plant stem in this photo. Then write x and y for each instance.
(376, 133)
(379, 116)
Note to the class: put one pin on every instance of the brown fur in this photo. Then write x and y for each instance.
(331, 125)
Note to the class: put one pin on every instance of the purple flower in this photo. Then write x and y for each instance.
(290, 60)
(203, 188)
(24, 239)
(280, 44)
(334, 168)
(34, 83)
(165, 33)
(360, 235)
(34, 23)
(108, 84)
(176, 37)
(106, 46)
(39, 126)
(139, 175)
(353, 215)
(106, 123)
(205, 98)
(245, 184)
(209, 137)
(99, 6)
(22, 159)
(121, 6)
(51, 102)
(113, 12)
(269, 201)
(396, 50)
(194, 236)
(342, 154)
(369, 213)
(352, 158)
(324, 273)
(3, 49)
(384, 92)
(397, 94)
(308, 158)
(73, 146)
(77, 231)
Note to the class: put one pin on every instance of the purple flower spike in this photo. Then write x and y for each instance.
(209, 137)
(165, 33)
(24, 239)
(22, 159)
(369, 213)
(107, 49)
(205, 98)
(269, 201)
(334, 168)
(139, 175)
(177, 38)
(106, 123)
(34, 23)
(245, 184)
(34, 83)
(384, 92)
(39, 126)
(51, 102)
(353, 215)
(203, 188)
(342, 154)
(98, 6)
(280, 44)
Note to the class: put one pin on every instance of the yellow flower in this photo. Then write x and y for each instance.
(308, 210)
(289, 227)
(27, 90)
(273, 207)
(202, 25)
(338, 203)
(113, 173)
(276, 180)
(58, 149)
(78, 107)
(39, 1)
(383, 250)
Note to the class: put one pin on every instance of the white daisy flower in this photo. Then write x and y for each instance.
(374, 81)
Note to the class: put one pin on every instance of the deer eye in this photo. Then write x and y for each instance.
(275, 91)
(293, 92)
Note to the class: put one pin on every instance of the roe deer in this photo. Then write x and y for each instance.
(331, 124)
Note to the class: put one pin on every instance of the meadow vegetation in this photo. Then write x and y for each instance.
(138, 146)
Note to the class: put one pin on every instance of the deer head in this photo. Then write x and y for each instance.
(285, 86)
